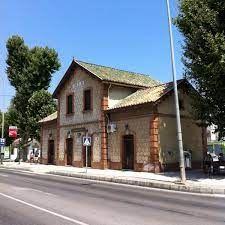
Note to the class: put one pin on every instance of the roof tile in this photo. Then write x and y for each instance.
(121, 76)
(147, 95)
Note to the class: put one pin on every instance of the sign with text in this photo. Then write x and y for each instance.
(6, 152)
(13, 131)
(2, 142)
(86, 141)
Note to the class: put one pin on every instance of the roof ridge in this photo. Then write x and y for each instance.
(95, 64)
(178, 80)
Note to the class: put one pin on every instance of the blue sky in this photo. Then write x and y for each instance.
(126, 34)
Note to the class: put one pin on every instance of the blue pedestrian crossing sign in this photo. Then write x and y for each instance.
(86, 141)
(2, 142)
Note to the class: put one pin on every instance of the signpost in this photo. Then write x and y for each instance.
(2, 144)
(86, 143)
(7, 152)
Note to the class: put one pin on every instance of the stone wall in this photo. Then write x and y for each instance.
(77, 83)
(140, 128)
(46, 130)
(81, 121)
(192, 133)
(77, 133)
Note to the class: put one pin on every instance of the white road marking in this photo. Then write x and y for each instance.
(44, 210)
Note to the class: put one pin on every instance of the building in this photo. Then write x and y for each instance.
(130, 117)
(212, 135)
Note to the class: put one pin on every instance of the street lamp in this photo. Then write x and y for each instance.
(3, 120)
(179, 132)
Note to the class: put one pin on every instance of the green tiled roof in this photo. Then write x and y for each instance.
(116, 75)
(147, 95)
(49, 118)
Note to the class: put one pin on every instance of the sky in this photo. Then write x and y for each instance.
(125, 34)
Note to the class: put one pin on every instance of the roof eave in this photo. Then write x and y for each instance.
(47, 121)
(124, 84)
(63, 80)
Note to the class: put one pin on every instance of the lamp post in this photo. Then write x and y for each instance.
(179, 132)
(3, 123)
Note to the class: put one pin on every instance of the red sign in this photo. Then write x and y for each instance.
(13, 131)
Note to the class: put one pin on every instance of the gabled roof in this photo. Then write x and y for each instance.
(121, 76)
(109, 74)
(49, 118)
(143, 96)
(148, 95)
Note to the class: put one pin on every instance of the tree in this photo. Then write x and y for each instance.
(40, 105)
(202, 23)
(29, 71)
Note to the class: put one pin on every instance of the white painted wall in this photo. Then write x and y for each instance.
(117, 93)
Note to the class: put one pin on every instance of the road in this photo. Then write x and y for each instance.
(33, 199)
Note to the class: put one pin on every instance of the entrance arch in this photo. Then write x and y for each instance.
(51, 152)
(128, 152)
(69, 151)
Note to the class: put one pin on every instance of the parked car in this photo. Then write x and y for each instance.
(214, 164)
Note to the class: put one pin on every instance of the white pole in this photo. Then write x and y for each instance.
(86, 157)
(3, 124)
(2, 148)
(3, 121)
(179, 132)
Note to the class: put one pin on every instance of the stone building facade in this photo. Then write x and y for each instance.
(130, 117)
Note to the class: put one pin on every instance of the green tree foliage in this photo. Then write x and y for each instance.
(29, 71)
(39, 106)
(202, 23)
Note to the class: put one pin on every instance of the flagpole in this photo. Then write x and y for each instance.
(179, 132)
(3, 121)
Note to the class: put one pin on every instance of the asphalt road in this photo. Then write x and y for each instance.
(31, 199)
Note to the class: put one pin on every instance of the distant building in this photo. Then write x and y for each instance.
(211, 134)
(130, 117)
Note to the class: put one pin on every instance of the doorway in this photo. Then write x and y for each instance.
(69, 151)
(128, 152)
(51, 152)
(89, 153)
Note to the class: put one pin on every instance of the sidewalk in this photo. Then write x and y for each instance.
(197, 182)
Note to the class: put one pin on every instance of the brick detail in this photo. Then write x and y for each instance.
(96, 165)
(58, 132)
(154, 144)
(104, 148)
(44, 161)
(41, 142)
(61, 163)
(78, 164)
(139, 167)
(115, 165)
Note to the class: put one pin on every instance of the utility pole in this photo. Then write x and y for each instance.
(179, 132)
(3, 124)
(3, 121)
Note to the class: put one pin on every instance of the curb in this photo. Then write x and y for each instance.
(143, 183)
(146, 183)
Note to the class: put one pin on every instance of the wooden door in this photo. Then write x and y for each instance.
(69, 151)
(51, 152)
(128, 152)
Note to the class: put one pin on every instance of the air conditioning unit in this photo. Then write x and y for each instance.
(111, 127)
